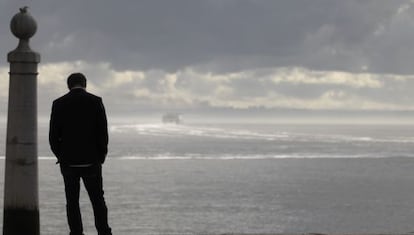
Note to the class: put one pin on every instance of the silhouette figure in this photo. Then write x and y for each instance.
(78, 137)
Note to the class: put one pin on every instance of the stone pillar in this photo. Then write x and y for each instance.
(21, 201)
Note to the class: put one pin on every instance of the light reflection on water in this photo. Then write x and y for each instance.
(243, 196)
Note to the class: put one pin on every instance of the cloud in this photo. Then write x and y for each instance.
(270, 88)
(4, 82)
(305, 76)
(288, 87)
(156, 54)
(388, 48)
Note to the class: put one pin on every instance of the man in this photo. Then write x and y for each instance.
(78, 137)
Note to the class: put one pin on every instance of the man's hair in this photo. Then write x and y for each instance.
(76, 79)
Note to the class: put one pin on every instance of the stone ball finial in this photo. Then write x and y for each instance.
(23, 25)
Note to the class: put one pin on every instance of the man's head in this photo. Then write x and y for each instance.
(76, 80)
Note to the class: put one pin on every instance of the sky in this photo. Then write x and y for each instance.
(240, 57)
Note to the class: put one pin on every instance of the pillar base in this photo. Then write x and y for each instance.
(20, 222)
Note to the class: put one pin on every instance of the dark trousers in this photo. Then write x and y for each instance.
(92, 179)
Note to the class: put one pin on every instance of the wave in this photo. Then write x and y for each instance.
(48, 158)
(235, 157)
(259, 157)
(169, 130)
(183, 130)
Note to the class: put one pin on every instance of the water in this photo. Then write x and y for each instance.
(252, 141)
(249, 178)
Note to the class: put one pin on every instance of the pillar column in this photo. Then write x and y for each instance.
(21, 201)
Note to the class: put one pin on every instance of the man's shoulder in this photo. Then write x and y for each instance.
(72, 95)
(60, 99)
(93, 96)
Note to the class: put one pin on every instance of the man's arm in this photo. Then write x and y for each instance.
(55, 132)
(102, 132)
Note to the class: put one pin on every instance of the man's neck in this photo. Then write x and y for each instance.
(77, 87)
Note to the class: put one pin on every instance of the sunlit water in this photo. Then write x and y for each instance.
(245, 178)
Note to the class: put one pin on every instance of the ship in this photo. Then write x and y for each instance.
(171, 118)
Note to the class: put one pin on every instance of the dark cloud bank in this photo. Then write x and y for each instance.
(223, 35)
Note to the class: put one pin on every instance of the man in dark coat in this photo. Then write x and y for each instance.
(78, 137)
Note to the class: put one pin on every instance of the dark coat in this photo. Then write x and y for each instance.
(78, 131)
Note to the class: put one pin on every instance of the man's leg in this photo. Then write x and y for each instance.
(72, 186)
(93, 184)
